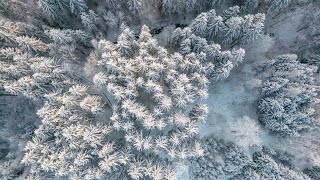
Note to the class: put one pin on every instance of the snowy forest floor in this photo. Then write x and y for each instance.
(234, 98)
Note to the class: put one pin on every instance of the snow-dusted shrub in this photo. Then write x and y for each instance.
(288, 96)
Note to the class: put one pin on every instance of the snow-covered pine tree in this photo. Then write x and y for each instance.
(31, 76)
(89, 20)
(215, 24)
(277, 5)
(230, 12)
(288, 95)
(229, 27)
(313, 172)
(24, 67)
(57, 10)
(268, 168)
(77, 6)
(112, 3)
(134, 6)
(68, 36)
(205, 4)
(51, 10)
(17, 35)
(234, 29)
(168, 7)
(66, 44)
(199, 24)
(221, 62)
(252, 27)
(249, 5)
(220, 159)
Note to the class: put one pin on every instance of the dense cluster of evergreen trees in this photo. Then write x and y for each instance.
(224, 160)
(289, 96)
(127, 108)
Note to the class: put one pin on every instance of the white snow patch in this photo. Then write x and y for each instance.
(233, 102)
(182, 171)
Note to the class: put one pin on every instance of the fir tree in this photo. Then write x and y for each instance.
(288, 96)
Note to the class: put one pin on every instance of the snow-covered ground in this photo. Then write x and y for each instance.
(232, 102)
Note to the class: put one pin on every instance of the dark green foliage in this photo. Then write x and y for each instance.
(4, 149)
(170, 7)
(313, 172)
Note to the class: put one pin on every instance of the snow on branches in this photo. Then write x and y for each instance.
(288, 96)
(154, 92)
(156, 112)
(229, 27)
